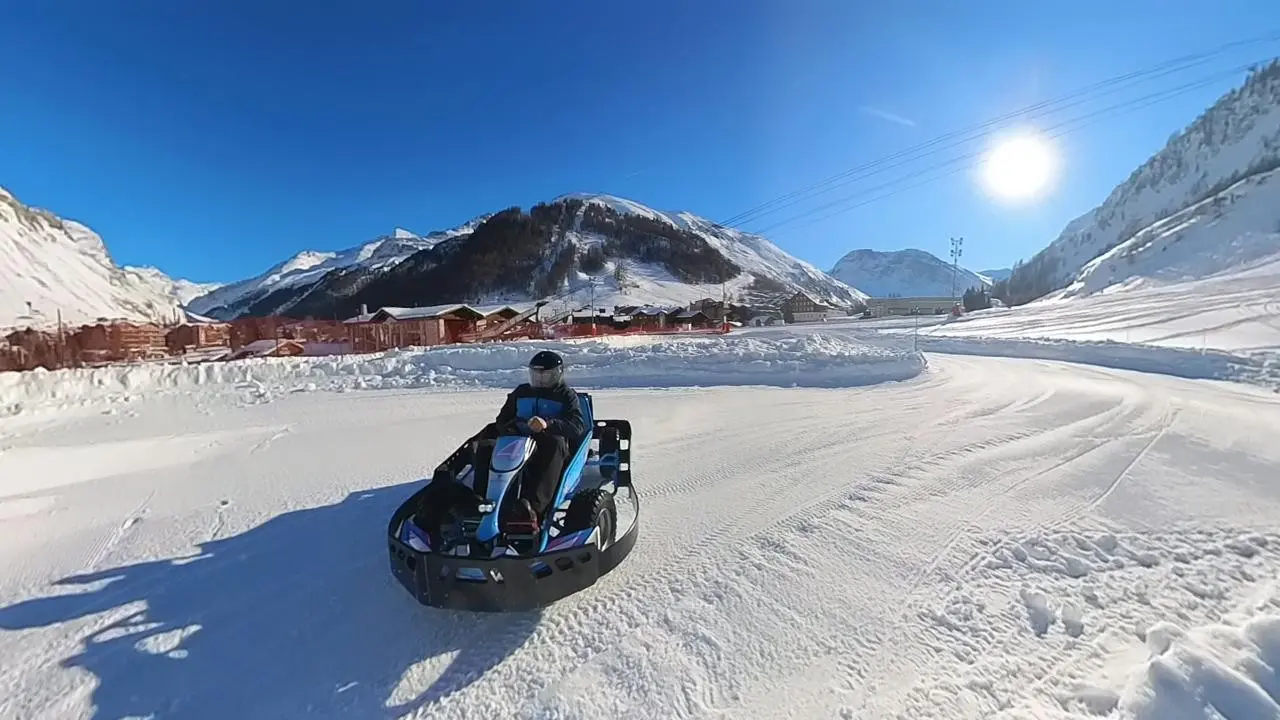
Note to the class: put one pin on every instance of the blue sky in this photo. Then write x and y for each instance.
(213, 140)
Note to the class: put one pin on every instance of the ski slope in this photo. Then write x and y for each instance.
(978, 538)
(1236, 310)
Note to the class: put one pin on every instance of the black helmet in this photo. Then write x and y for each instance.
(546, 369)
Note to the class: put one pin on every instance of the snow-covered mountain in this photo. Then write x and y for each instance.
(997, 274)
(1235, 139)
(904, 273)
(49, 265)
(1234, 231)
(568, 250)
(277, 289)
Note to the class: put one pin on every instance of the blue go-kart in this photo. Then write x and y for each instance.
(472, 563)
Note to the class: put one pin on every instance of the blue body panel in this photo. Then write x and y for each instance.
(527, 407)
(509, 454)
(572, 477)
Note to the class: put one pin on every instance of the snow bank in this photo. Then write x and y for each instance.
(1261, 369)
(810, 360)
(1224, 670)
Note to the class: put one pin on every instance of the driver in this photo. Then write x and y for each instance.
(545, 408)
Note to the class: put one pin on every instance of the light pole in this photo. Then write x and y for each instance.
(956, 250)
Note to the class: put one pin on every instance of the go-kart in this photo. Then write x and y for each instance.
(475, 562)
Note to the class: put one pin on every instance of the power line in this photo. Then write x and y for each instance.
(1088, 118)
(1079, 96)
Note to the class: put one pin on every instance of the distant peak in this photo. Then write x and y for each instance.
(863, 253)
(402, 234)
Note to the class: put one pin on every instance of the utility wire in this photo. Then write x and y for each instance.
(1110, 85)
(1064, 128)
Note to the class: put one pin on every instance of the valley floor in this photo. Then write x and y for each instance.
(993, 538)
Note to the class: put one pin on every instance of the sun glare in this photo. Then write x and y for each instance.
(1019, 168)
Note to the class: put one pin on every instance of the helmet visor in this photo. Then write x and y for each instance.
(545, 378)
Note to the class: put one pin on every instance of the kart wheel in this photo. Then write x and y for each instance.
(593, 508)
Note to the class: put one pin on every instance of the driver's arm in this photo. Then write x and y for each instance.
(508, 411)
(571, 423)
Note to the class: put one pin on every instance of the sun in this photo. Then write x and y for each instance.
(1019, 168)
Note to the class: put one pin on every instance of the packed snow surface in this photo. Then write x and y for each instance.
(987, 538)
(1238, 311)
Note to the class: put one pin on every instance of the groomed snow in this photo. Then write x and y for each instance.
(1237, 312)
(995, 538)
(802, 360)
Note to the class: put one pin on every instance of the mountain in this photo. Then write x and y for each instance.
(280, 287)
(572, 250)
(49, 265)
(996, 275)
(1236, 139)
(904, 273)
(1232, 232)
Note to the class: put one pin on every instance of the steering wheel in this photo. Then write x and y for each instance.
(514, 427)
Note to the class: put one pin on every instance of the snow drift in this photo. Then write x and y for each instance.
(799, 361)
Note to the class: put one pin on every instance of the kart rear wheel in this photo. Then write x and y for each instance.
(593, 508)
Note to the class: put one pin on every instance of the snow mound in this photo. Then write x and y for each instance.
(1173, 625)
(809, 360)
(1203, 279)
(1209, 672)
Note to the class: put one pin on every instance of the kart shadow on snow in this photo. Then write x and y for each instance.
(297, 616)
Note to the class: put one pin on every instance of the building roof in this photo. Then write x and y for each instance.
(262, 347)
(651, 311)
(424, 313)
(917, 299)
(488, 310)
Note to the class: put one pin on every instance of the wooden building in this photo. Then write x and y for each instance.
(198, 336)
(396, 327)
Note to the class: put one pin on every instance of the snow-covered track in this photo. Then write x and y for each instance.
(993, 536)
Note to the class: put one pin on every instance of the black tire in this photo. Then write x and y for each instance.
(593, 508)
(609, 443)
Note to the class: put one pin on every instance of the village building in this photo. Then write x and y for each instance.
(197, 336)
(392, 327)
(891, 306)
(800, 308)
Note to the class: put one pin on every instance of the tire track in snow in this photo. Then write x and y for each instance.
(1170, 418)
(113, 538)
(890, 656)
(773, 541)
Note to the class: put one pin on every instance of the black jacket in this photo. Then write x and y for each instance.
(557, 405)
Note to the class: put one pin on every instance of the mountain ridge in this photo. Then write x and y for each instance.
(1236, 138)
(575, 246)
(910, 272)
(57, 269)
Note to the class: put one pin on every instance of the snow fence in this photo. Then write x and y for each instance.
(813, 360)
